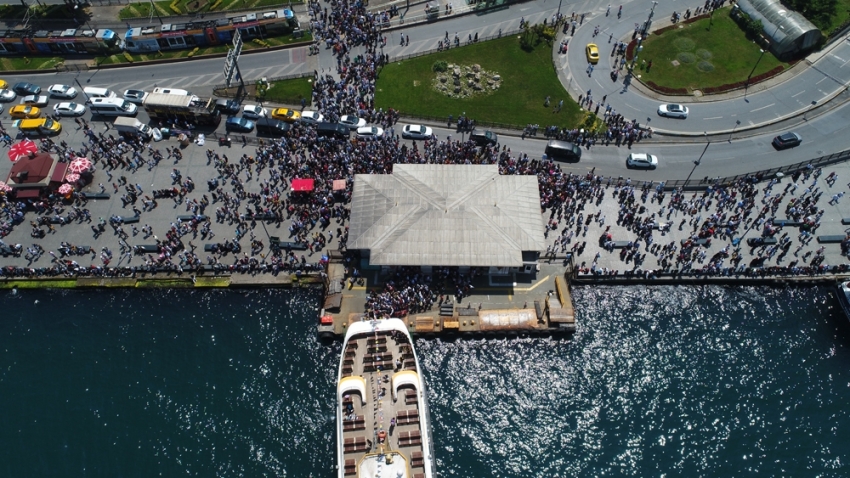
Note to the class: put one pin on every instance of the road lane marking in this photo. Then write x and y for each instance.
(798, 94)
(836, 56)
(824, 78)
(763, 107)
(713, 117)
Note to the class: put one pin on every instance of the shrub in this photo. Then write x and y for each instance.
(174, 7)
(440, 66)
(753, 28)
(216, 4)
(128, 56)
(192, 53)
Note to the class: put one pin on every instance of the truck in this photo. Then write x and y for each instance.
(180, 109)
(132, 126)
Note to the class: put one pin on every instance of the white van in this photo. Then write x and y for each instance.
(92, 93)
(112, 107)
(171, 91)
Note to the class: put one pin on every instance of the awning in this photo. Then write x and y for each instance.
(352, 384)
(339, 184)
(27, 193)
(59, 173)
(405, 377)
(302, 184)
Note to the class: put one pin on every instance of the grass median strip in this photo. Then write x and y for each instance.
(186, 7)
(126, 57)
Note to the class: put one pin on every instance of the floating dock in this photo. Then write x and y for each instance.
(537, 304)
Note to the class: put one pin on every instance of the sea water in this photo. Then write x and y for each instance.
(658, 381)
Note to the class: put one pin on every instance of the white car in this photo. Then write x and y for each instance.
(312, 117)
(642, 160)
(135, 96)
(416, 131)
(253, 112)
(673, 111)
(352, 122)
(62, 91)
(370, 132)
(34, 100)
(69, 109)
(7, 96)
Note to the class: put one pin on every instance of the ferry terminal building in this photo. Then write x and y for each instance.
(430, 215)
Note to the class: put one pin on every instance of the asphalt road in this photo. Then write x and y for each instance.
(822, 135)
(823, 79)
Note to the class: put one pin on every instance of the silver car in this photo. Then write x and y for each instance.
(7, 96)
(353, 122)
(673, 111)
(69, 109)
(62, 91)
(34, 100)
(311, 117)
(416, 131)
(642, 160)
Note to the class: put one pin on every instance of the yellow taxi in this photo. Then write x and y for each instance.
(3, 84)
(24, 111)
(592, 53)
(285, 114)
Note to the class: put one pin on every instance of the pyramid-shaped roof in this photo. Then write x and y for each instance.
(446, 215)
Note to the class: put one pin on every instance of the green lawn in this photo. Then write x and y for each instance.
(284, 91)
(30, 63)
(838, 17)
(708, 57)
(184, 7)
(290, 91)
(527, 78)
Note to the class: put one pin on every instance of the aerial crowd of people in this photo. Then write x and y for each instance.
(252, 190)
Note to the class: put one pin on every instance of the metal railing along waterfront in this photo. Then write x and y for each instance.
(763, 174)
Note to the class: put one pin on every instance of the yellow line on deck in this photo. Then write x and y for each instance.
(535, 285)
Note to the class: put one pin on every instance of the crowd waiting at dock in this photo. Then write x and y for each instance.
(252, 189)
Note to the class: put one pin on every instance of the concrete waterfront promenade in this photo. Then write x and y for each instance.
(196, 165)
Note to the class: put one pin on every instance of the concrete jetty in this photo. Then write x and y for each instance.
(781, 227)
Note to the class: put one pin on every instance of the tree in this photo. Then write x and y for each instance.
(818, 12)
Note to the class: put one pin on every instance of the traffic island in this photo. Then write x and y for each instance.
(510, 85)
(702, 55)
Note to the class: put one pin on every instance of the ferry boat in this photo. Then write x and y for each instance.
(383, 427)
(843, 292)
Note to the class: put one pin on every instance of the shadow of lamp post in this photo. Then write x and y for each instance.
(698, 161)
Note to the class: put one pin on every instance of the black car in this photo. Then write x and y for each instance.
(483, 137)
(787, 140)
(227, 107)
(25, 89)
(239, 124)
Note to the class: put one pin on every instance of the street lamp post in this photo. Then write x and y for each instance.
(763, 50)
(737, 123)
(698, 161)
(643, 34)
(747, 84)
